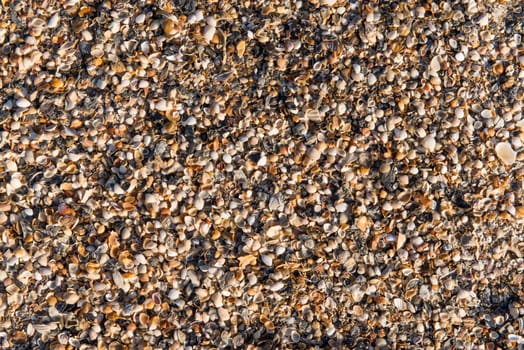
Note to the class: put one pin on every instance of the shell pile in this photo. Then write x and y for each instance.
(240, 174)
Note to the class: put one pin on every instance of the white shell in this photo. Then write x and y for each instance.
(429, 143)
(399, 304)
(506, 153)
(341, 207)
(267, 260)
(209, 32)
(217, 299)
(118, 280)
(195, 17)
(23, 103)
(434, 65)
(53, 21)
(341, 108)
(161, 105)
(223, 314)
(273, 231)
(211, 21)
(313, 154)
(313, 115)
(401, 240)
(11, 166)
(275, 287)
(198, 203)
(15, 183)
(486, 114)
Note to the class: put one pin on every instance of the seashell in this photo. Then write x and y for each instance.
(483, 20)
(37, 24)
(313, 115)
(401, 240)
(519, 211)
(11, 166)
(211, 21)
(506, 153)
(241, 48)
(45, 328)
(23, 103)
(209, 33)
(15, 183)
(399, 304)
(273, 231)
(295, 336)
(372, 79)
(198, 203)
(161, 105)
(429, 143)
(217, 299)
(486, 114)
(465, 295)
(223, 314)
(363, 223)
(195, 17)
(267, 260)
(63, 338)
(169, 26)
(269, 325)
(341, 108)
(71, 298)
(434, 64)
(341, 207)
(53, 21)
(119, 280)
(313, 155)
(140, 18)
(275, 287)
(356, 293)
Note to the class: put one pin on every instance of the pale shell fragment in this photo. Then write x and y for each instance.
(313, 115)
(198, 203)
(11, 166)
(429, 143)
(275, 287)
(399, 304)
(45, 328)
(23, 103)
(217, 299)
(209, 33)
(434, 65)
(267, 260)
(401, 240)
(195, 17)
(223, 314)
(486, 114)
(53, 21)
(118, 279)
(328, 2)
(273, 231)
(506, 153)
(161, 105)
